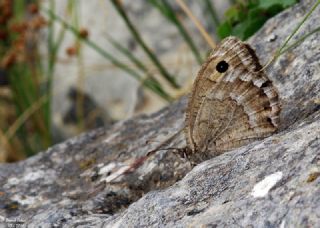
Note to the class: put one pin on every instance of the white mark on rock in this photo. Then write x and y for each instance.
(117, 174)
(32, 176)
(112, 171)
(47, 177)
(150, 167)
(108, 168)
(12, 181)
(2, 219)
(262, 188)
(272, 38)
(115, 225)
(111, 138)
(25, 200)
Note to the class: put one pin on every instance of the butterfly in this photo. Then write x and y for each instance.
(233, 102)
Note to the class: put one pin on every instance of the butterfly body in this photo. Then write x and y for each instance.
(232, 103)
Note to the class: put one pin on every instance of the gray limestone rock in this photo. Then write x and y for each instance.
(269, 183)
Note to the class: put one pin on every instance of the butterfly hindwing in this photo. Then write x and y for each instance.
(232, 101)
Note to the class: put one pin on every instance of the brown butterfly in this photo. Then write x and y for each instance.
(232, 103)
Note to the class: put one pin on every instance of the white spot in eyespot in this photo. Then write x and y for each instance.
(262, 188)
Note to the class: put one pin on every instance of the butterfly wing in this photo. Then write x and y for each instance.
(232, 103)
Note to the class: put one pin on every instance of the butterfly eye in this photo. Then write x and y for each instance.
(222, 66)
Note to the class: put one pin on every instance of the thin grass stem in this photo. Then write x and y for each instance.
(212, 12)
(169, 13)
(198, 24)
(300, 40)
(149, 78)
(103, 52)
(166, 75)
(296, 29)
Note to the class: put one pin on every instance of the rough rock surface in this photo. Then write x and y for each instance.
(270, 183)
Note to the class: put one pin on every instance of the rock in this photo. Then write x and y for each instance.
(269, 183)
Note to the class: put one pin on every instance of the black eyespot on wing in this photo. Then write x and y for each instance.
(222, 66)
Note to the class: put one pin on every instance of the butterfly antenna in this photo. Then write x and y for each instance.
(139, 161)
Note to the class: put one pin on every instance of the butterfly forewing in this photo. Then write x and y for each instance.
(232, 101)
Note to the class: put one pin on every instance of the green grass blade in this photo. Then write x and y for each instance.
(102, 52)
(300, 40)
(296, 29)
(212, 12)
(169, 13)
(167, 76)
(150, 79)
